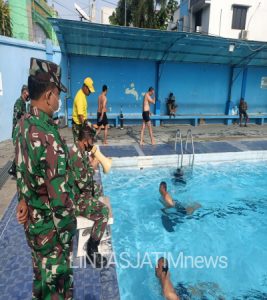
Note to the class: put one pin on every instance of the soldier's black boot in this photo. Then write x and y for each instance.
(93, 256)
(12, 170)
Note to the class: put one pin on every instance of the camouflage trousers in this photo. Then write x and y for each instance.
(53, 278)
(92, 209)
(75, 131)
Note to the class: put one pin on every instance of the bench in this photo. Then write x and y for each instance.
(195, 119)
(259, 118)
(84, 227)
(192, 119)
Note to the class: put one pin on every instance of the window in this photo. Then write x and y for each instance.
(239, 17)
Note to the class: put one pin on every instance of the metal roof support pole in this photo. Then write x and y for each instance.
(157, 104)
(125, 13)
(229, 103)
(68, 96)
(244, 82)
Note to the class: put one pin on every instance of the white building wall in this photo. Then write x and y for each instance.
(106, 12)
(173, 25)
(205, 20)
(221, 14)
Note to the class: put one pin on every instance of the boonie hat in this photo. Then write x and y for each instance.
(46, 71)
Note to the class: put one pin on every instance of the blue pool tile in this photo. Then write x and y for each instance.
(255, 145)
(16, 266)
(109, 284)
(161, 149)
(213, 147)
(7, 214)
(119, 151)
(110, 291)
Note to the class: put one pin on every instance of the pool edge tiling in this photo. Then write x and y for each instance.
(172, 159)
(164, 154)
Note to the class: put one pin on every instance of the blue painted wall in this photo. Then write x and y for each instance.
(236, 86)
(255, 96)
(14, 68)
(119, 75)
(198, 88)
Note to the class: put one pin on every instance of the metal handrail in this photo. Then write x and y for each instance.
(178, 135)
(190, 136)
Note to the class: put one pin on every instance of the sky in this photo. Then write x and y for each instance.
(66, 8)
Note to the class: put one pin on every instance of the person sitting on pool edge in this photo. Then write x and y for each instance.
(169, 202)
(162, 272)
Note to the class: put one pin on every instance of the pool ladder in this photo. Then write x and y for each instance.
(189, 138)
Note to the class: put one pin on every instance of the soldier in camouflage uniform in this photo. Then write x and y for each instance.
(19, 111)
(20, 106)
(42, 182)
(87, 193)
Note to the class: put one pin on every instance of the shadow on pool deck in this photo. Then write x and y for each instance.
(16, 267)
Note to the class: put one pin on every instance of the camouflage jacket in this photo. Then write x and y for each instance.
(82, 173)
(42, 180)
(19, 111)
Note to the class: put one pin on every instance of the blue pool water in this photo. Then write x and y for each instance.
(230, 227)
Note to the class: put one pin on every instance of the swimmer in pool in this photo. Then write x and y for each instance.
(163, 274)
(199, 290)
(169, 202)
(179, 176)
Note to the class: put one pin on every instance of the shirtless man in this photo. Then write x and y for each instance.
(101, 113)
(163, 274)
(146, 116)
(169, 202)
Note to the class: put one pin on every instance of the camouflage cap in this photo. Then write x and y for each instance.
(24, 88)
(46, 71)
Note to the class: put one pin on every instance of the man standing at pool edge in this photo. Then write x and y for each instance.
(79, 112)
(146, 115)
(42, 182)
(102, 113)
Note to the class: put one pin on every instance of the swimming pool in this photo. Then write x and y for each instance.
(229, 231)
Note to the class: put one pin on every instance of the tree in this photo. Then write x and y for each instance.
(145, 14)
(5, 22)
(118, 18)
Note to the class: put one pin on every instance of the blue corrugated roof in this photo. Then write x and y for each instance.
(84, 38)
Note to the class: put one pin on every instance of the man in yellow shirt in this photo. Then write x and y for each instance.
(79, 113)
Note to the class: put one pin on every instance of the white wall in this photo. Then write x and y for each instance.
(106, 12)
(256, 21)
(205, 19)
